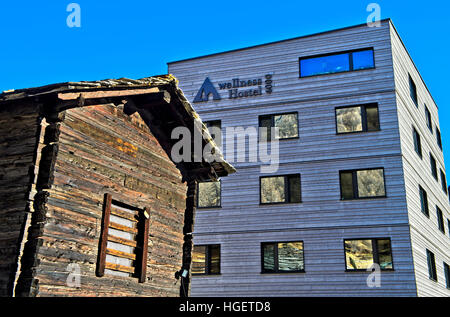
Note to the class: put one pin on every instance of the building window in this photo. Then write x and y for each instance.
(413, 91)
(417, 143)
(447, 275)
(362, 183)
(440, 219)
(336, 62)
(433, 166)
(448, 226)
(286, 124)
(215, 130)
(124, 240)
(431, 266)
(438, 138)
(424, 201)
(360, 254)
(209, 194)
(428, 118)
(443, 182)
(282, 257)
(206, 259)
(357, 119)
(280, 189)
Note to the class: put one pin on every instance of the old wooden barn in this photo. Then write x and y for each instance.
(91, 203)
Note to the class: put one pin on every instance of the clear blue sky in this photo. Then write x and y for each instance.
(136, 38)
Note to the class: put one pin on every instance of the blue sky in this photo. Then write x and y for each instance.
(136, 38)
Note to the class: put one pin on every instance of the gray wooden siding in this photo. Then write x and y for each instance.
(324, 265)
(424, 231)
(322, 221)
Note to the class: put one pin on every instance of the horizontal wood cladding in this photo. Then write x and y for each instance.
(102, 150)
(19, 138)
(321, 205)
(324, 258)
(281, 61)
(322, 220)
(424, 230)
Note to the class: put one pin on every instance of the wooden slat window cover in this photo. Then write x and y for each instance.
(124, 240)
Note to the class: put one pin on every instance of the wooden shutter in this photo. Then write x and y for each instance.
(123, 245)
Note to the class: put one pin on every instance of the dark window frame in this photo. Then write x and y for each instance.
(212, 122)
(350, 56)
(287, 192)
(363, 118)
(355, 184)
(413, 91)
(272, 120)
(276, 263)
(438, 137)
(424, 201)
(443, 181)
(448, 225)
(417, 142)
(440, 219)
(198, 195)
(434, 170)
(431, 263)
(375, 254)
(428, 119)
(208, 259)
(447, 275)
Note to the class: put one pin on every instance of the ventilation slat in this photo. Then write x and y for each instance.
(118, 267)
(122, 228)
(121, 254)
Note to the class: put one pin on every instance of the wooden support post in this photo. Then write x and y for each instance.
(143, 264)
(104, 236)
(191, 205)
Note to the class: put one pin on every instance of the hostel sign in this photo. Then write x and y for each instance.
(236, 88)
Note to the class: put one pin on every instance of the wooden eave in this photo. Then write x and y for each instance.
(162, 106)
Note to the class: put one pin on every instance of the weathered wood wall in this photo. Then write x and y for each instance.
(98, 150)
(19, 132)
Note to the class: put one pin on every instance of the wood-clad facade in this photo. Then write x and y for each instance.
(322, 220)
(74, 155)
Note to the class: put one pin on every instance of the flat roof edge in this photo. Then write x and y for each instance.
(274, 42)
(412, 61)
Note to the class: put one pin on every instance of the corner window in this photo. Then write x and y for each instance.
(362, 183)
(413, 91)
(433, 166)
(440, 219)
(286, 124)
(336, 62)
(215, 130)
(209, 194)
(123, 241)
(423, 201)
(443, 182)
(428, 118)
(357, 119)
(280, 189)
(360, 254)
(438, 138)
(417, 143)
(206, 259)
(431, 266)
(282, 257)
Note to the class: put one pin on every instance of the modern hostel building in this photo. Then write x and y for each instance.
(361, 177)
